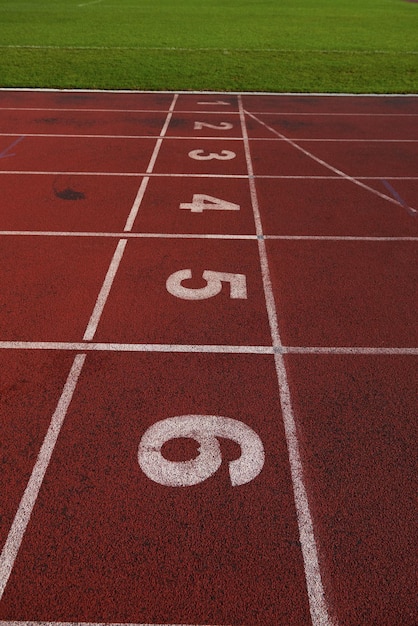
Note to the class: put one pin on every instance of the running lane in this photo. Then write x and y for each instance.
(208, 359)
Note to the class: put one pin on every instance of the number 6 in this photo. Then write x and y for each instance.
(204, 429)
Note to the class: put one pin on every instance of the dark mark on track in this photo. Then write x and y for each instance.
(69, 194)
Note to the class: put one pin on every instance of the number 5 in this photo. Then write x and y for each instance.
(214, 285)
(204, 429)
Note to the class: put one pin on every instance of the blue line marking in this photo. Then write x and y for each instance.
(5, 152)
(397, 197)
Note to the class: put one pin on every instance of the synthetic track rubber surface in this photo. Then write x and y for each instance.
(301, 339)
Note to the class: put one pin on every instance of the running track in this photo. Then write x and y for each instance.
(235, 273)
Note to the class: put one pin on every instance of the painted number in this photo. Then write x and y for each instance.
(201, 202)
(199, 155)
(220, 126)
(216, 102)
(214, 280)
(204, 429)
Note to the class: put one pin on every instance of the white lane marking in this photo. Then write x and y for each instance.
(211, 93)
(270, 113)
(196, 348)
(27, 503)
(120, 249)
(171, 137)
(188, 175)
(205, 429)
(141, 191)
(209, 138)
(105, 290)
(137, 203)
(134, 347)
(349, 350)
(139, 174)
(129, 235)
(316, 595)
(330, 167)
(26, 623)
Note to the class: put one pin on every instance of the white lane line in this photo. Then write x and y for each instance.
(273, 94)
(22, 517)
(171, 137)
(208, 138)
(141, 191)
(349, 350)
(234, 237)
(133, 174)
(26, 623)
(162, 135)
(129, 235)
(120, 248)
(133, 347)
(330, 167)
(188, 175)
(316, 595)
(137, 203)
(196, 348)
(105, 290)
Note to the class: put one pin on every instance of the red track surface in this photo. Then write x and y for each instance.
(303, 335)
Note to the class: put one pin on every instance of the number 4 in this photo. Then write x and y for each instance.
(202, 202)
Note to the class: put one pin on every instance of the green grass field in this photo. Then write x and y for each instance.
(357, 46)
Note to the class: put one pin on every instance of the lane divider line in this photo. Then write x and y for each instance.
(120, 248)
(27, 503)
(202, 348)
(318, 606)
(105, 291)
(330, 167)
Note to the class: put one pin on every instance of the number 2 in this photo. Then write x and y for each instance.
(221, 126)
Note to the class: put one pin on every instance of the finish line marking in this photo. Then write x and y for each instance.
(324, 163)
(200, 348)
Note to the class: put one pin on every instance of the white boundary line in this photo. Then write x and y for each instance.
(26, 623)
(212, 112)
(234, 236)
(105, 290)
(133, 347)
(208, 93)
(207, 138)
(316, 595)
(202, 348)
(22, 517)
(207, 175)
(120, 249)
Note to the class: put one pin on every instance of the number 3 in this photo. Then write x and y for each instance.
(199, 155)
(204, 429)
